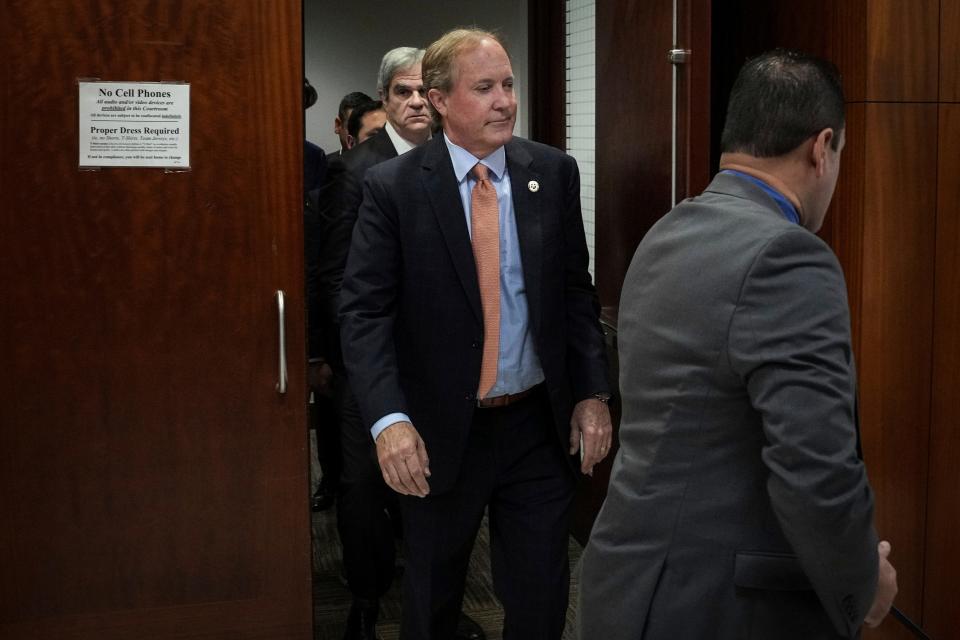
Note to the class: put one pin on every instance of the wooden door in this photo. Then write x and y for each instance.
(652, 149)
(154, 482)
(653, 123)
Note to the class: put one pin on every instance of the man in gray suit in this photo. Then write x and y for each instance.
(738, 505)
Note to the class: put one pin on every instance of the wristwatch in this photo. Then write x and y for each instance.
(602, 397)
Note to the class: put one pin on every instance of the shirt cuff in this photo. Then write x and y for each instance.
(386, 421)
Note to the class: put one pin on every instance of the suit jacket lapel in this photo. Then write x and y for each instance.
(526, 208)
(441, 186)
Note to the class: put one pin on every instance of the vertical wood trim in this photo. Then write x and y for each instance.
(546, 54)
(949, 50)
(693, 105)
(897, 327)
(941, 617)
(903, 50)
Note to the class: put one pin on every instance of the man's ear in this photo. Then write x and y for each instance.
(438, 100)
(351, 141)
(820, 148)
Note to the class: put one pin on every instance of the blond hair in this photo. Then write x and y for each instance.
(439, 62)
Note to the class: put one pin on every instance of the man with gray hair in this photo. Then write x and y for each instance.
(364, 502)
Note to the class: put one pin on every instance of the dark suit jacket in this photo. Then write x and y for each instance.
(314, 175)
(410, 314)
(737, 506)
(337, 203)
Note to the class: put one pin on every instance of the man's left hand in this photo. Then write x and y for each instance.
(591, 419)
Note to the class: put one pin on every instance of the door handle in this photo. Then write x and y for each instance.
(281, 317)
(678, 56)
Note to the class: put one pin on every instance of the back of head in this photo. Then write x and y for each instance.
(394, 61)
(352, 101)
(780, 99)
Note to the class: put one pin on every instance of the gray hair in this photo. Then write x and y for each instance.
(394, 61)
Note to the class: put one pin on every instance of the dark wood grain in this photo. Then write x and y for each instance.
(902, 51)
(634, 105)
(547, 54)
(843, 228)
(949, 50)
(941, 617)
(693, 98)
(746, 28)
(154, 481)
(897, 331)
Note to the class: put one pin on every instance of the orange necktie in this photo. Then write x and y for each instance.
(485, 225)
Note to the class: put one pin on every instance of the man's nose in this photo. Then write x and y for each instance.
(503, 99)
(416, 99)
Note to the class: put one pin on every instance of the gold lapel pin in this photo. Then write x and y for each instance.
(534, 186)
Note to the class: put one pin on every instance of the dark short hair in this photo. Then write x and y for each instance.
(355, 121)
(352, 101)
(780, 99)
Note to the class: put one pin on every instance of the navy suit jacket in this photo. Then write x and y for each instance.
(410, 315)
(337, 203)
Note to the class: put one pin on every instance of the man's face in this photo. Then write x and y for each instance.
(370, 125)
(480, 111)
(406, 105)
(826, 184)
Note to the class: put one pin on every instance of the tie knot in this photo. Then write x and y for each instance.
(480, 172)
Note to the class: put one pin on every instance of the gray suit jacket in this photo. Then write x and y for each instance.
(738, 506)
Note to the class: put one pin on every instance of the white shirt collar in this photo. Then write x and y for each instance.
(401, 144)
(464, 161)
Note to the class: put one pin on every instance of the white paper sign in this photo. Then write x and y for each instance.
(134, 124)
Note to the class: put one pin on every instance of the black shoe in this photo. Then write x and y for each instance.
(323, 497)
(362, 620)
(468, 629)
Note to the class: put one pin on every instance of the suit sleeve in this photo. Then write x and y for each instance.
(790, 343)
(586, 350)
(311, 247)
(337, 214)
(368, 305)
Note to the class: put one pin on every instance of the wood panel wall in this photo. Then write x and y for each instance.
(897, 327)
(950, 51)
(633, 132)
(940, 613)
(893, 225)
(905, 351)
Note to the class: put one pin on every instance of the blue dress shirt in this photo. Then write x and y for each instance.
(786, 207)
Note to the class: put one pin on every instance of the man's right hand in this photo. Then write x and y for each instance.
(403, 459)
(886, 588)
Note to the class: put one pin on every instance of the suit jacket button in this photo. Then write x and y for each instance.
(475, 344)
(468, 397)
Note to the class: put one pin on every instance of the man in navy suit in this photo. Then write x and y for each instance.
(412, 327)
(364, 501)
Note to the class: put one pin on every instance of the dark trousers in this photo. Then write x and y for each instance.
(325, 422)
(363, 505)
(515, 468)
